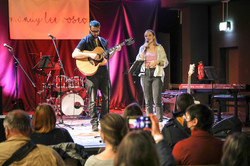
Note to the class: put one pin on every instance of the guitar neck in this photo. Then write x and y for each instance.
(189, 82)
(112, 49)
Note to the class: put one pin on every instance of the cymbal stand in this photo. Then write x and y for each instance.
(60, 86)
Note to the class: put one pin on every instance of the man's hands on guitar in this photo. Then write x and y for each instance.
(94, 56)
(118, 48)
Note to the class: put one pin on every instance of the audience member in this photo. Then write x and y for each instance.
(176, 128)
(163, 148)
(113, 129)
(45, 132)
(201, 147)
(137, 148)
(132, 109)
(17, 126)
(236, 150)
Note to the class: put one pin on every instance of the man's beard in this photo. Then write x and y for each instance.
(94, 37)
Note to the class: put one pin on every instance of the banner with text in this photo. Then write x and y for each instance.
(36, 19)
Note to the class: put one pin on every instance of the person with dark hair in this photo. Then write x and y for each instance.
(17, 126)
(236, 150)
(201, 147)
(137, 148)
(176, 128)
(88, 48)
(132, 109)
(152, 72)
(44, 127)
(113, 129)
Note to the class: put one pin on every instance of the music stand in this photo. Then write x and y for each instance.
(211, 76)
(135, 68)
(210, 73)
(44, 63)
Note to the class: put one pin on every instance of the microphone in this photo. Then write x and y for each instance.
(51, 36)
(145, 50)
(5, 45)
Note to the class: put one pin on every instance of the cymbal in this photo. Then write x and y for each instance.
(37, 54)
(34, 53)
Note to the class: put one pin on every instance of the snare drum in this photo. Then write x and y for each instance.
(68, 104)
(76, 83)
(63, 83)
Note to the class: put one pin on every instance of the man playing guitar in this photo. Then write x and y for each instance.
(85, 51)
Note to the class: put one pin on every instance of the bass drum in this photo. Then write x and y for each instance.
(68, 102)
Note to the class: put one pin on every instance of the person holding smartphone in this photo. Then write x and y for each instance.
(162, 146)
(152, 72)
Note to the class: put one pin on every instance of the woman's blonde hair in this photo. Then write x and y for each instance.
(44, 119)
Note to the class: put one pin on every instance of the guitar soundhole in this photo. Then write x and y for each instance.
(91, 61)
(94, 62)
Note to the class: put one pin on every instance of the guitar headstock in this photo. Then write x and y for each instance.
(191, 69)
(129, 41)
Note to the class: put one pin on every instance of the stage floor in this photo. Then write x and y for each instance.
(81, 129)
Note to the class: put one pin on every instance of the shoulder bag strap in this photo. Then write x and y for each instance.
(20, 153)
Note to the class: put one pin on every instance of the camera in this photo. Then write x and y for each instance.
(139, 122)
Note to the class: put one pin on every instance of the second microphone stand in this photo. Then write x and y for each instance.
(60, 88)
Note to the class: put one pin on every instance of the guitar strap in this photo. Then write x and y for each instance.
(20, 153)
(102, 43)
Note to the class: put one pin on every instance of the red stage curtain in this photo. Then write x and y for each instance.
(120, 19)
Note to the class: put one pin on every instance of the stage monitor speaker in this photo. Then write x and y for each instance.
(226, 127)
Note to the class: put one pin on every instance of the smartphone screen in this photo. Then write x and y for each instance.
(139, 122)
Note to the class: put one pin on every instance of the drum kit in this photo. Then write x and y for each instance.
(65, 94)
(72, 90)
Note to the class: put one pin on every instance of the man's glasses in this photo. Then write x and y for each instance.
(94, 31)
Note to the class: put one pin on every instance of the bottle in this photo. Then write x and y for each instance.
(200, 71)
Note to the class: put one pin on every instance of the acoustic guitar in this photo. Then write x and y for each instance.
(89, 66)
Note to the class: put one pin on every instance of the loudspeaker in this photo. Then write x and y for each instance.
(2, 132)
(1, 103)
(226, 127)
(20, 105)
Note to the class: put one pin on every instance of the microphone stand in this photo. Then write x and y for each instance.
(16, 64)
(109, 83)
(60, 89)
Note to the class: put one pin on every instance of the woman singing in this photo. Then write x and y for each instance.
(152, 72)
